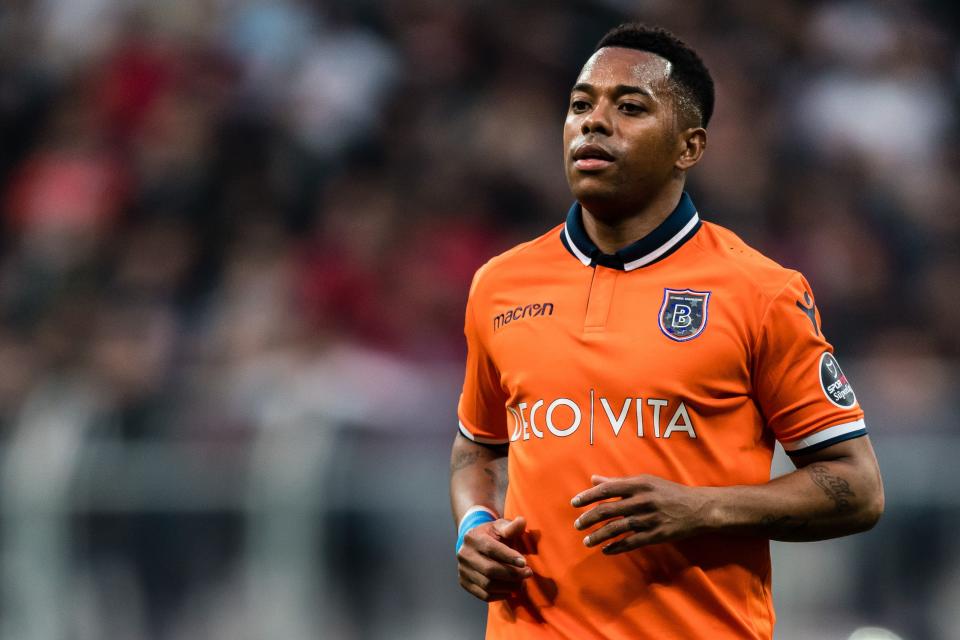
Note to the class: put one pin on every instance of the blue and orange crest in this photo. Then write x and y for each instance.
(683, 314)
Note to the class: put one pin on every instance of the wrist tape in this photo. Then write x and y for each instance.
(474, 516)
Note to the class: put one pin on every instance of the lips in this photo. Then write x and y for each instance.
(591, 157)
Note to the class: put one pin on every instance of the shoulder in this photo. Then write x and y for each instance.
(521, 257)
(759, 273)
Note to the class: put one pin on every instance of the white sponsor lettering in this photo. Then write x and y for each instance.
(591, 416)
(533, 413)
(639, 406)
(656, 403)
(563, 402)
(517, 426)
(675, 425)
(840, 389)
(523, 419)
(616, 422)
(563, 417)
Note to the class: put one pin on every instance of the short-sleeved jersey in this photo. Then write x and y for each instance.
(685, 355)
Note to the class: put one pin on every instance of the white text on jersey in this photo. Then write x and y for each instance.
(562, 417)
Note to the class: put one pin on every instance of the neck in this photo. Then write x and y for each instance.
(612, 229)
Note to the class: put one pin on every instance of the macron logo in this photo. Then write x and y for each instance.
(518, 313)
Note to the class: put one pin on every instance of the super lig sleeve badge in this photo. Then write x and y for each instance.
(834, 383)
(683, 314)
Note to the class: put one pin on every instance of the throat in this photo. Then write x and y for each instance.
(616, 232)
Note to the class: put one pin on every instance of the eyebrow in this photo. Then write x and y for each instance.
(619, 90)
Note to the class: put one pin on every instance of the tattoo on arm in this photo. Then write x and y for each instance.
(834, 487)
(782, 525)
(497, 471)
(464, 459)
(497, 458)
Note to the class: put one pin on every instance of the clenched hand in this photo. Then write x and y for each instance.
(490, 566)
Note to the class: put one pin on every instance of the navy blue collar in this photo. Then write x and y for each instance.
(680, 226)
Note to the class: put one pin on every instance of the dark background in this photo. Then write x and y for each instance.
(236, 238)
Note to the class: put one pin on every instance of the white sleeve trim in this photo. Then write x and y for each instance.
(474, 509)
(825, 435)
(466, 434)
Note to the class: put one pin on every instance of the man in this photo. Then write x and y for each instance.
(629, 373)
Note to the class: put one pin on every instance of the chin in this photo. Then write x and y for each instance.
(587, 190)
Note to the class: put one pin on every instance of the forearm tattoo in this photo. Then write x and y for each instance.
(497, 471)
(835, 487)
(782, 525)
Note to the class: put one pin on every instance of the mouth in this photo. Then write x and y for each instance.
(592, 157)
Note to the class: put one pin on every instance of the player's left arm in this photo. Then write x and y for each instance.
(808, 403)
(834, 492)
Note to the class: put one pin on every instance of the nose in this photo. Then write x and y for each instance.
(597, 121)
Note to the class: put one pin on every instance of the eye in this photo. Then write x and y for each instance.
(632, 108)
(579, 106)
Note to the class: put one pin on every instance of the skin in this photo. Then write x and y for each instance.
(834, 492)
(624, 101)
(489, 565)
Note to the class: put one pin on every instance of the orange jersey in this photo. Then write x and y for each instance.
(685, 355)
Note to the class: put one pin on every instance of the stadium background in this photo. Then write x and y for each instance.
(236, 242)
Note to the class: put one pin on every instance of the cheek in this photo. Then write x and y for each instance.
(571, 127)
(651, 145)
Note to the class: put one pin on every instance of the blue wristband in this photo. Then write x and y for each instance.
(471, 520)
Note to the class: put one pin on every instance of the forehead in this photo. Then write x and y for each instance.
(611, 66)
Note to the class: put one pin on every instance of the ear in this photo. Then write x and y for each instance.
(693, 142)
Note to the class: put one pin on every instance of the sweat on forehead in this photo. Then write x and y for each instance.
(641, 65)
(621, 65)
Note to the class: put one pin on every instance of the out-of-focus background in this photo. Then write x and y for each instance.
(237, 237)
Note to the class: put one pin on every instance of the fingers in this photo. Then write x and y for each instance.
(510, 528)
(486, 596)
(629, 543)
(487, 583)
(610, 510)
(476, 591)
(492, 569)
(609, 488)
(650, 510)
(483, 552)
(494, 549)
(633, 516)
(619, 527)
(489, 569)
(490, 587)
(496, 546)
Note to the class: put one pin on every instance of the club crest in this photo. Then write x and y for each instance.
(683, 314)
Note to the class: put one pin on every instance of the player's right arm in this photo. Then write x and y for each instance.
(489, 564)
(478, 476)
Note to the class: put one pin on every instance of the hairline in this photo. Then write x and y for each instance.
(681, 94)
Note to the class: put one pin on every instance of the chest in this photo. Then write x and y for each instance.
(622, 334)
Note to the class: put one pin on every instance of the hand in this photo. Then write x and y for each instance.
(490, 568)
(650, 510)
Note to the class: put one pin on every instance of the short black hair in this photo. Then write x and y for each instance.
(688, 73)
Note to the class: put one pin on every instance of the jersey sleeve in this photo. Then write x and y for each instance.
(803, 394)
(482, 407)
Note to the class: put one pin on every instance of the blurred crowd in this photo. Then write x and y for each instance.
(215, 214)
